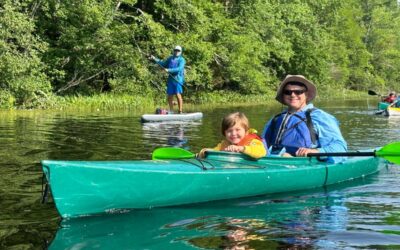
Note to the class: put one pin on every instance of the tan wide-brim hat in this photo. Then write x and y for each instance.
(311, 89)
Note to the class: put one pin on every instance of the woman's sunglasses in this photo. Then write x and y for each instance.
(295, 91)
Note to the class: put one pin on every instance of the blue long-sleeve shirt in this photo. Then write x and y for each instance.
(326, 126)
(175, 66)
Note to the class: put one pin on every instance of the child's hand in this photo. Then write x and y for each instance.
(234, 148)
(305, 151)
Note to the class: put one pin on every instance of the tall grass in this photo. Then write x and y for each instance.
(110, 101)
(101, 102)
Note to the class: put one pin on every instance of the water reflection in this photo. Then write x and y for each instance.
(365, 131)
(300, 220)
(394, 123)
(171, 133)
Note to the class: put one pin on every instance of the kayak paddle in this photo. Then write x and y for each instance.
(162, 67)
(371, 92)
(390, 152)
(172, 153)
(379, 112)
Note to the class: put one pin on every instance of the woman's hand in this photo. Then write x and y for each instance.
(234, 148)
(306, 151)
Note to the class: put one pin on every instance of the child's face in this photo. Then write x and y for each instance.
(235, 134)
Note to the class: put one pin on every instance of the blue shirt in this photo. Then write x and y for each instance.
(326, 126)
(175, 66)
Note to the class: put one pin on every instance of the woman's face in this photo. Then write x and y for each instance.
(295, 97)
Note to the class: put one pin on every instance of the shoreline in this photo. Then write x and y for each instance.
(110, 102)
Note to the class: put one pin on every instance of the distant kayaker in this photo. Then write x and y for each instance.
(390, 98)
(301, 128)
(238, 137)
(395, 103)
(174, 66)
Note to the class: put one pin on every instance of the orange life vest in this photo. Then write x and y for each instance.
(247, 139)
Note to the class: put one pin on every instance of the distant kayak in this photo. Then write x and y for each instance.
(383, 105)
(171, 117)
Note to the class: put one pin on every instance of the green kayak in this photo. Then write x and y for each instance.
(88, 187)
(383, 105)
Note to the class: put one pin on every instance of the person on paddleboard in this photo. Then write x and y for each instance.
(239, 137)
(301, 128)
(174, 66)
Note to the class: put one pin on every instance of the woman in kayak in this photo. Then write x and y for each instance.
(239, 137)
(301, 128)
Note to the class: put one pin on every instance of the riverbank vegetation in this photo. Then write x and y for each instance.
(61, 53)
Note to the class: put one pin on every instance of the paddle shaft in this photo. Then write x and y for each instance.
(390, 152)
(148, 57)
(173, 77)
(342, 154)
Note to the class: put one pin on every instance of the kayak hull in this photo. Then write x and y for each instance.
(88, 187)
(171, 117)
(383, 105)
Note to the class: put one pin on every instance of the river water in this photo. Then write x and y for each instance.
(363, 213)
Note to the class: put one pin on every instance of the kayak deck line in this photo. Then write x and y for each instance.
(249, 166)
(201, 165)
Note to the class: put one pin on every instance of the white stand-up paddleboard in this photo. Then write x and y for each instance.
(171, 117)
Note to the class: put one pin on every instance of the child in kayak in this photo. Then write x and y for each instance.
(238, 137)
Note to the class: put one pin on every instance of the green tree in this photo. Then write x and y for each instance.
(90, 47)
(383, 41)
(22, 74)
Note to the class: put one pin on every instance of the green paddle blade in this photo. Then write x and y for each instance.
(390, 152)
(172, 153)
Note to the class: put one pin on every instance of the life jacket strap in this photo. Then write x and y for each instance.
(310, 125)
(307, 120)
